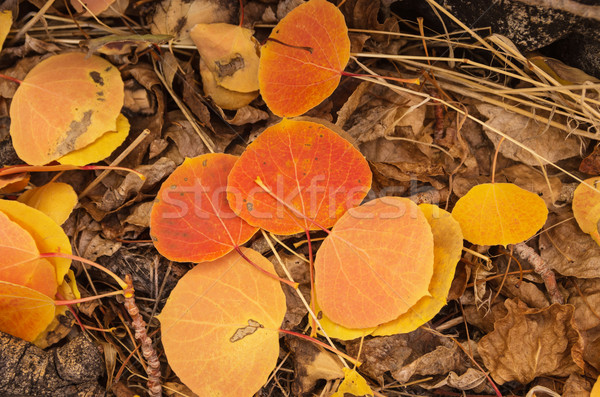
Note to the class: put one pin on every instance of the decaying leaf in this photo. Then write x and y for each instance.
(191, 220)
(65, 103)
(224, 98)
(307, 167)
(528, 343)
(375, 264)
(586, 207)
(302, 62)
(206, 308)
(55, 199)
(499, 213)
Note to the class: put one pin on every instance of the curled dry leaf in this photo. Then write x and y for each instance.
(65, 103)
(586, 207)
(229, 313)
(306, 166)
(55, 199)
(191, 220)
(302, 62)
(528, 343)
(499, 213)
(376, 263)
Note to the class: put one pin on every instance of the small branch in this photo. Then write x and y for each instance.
(541, 268)
(139, 325)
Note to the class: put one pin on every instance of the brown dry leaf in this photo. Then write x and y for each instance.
(549, 142)
(100, 247)
(180, 131)
(298, 268)
(438, 362)
(470, 380)
(483, 317)
(528, 343)
(591, 347)
(585, 296)
(247, 115)
(568, 250)
(591, 164)
(533, 180)
(311, 364)
(524, 290)
(140, 215)
(576, 386)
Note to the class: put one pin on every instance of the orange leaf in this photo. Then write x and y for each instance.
(48, 236)
(586, 207)
(499, 213)
(375, 264)
(191, 220)
(303, 62)
(13, 183)
(220, 326)
(308, 167)
(65, 103)
(19, 259)
(24, 312)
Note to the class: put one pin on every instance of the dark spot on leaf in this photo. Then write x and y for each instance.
(204, 163)
(320, 135)
(181, 194)
(76, 129)
(359, 181)
(153, 238)
(108, 69)
(228, 69)
(185, 179)
(100, 93)
(249, 206)
(241, 333)
(179, 25)
(307, 144)
(316, 159)
(173, 187)
(97, 78)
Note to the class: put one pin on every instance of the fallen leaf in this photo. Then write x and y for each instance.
(5, 24)
(205, 310)
(375, 264)
(547, 141)
(65, 103)
(591, 164)
(499, 213)
(596, 389)
(93, 7)
(24, 312)
(191, 220)
(55, 199)
(20, 262)
(530, 179)
(470, 380)
(302, 62)
(224, 98)
(308, 167)
(437, 362)
(586, 207)
(13, 183)
(353, 385)
(528, 343)
(585, 296)
(48, 236)
(447, 250)
(576, 386)
(101, 148)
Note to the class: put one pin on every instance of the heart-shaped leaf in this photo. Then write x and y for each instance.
(220, 326)
(302, 62)
(307, 167)
(191, 220)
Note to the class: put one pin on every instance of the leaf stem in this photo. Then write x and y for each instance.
(10, 78)
(311, 263)
(322, 344)
(86, 299)
(17, 169)
(250, 261)
(496, 158)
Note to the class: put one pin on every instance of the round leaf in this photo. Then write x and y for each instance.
(303, 62)
(65, 103)
(24, 312)
(55, 199)
(376, 263)
(306, 166)
(499, 213)
(586, 207)
(227, 314)
(191, 220)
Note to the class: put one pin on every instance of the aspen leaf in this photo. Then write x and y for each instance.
(93, 7)
(5, 24)
(13, 183)
(353, 385)
(499, 213)
(19, 260)
(303, 61)
(55, 199)
(65, 103)
(305, 165)
(376, 263)
(48, 236)
(191, 220)
(586, 207)
(447, 249)
(227, 314)
(596, 389)
(24, 312)
(334, 330)
(224, 98)
(101, 148)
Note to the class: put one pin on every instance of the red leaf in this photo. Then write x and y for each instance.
(307, 166)
(305, 63)
(191, 220)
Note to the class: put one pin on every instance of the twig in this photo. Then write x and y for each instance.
(139, 325)
(541, 267)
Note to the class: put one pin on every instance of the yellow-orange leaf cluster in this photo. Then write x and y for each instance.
(65, 103)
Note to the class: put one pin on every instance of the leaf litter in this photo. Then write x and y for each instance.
(416, 142)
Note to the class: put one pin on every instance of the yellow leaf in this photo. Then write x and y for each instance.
(447, 249)
(5, 23)
(224, 98)
(353, 385)
(499, 213)
(55, 199)
(101, 148)
(596, 389)
(586, 207)
(48, 236)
